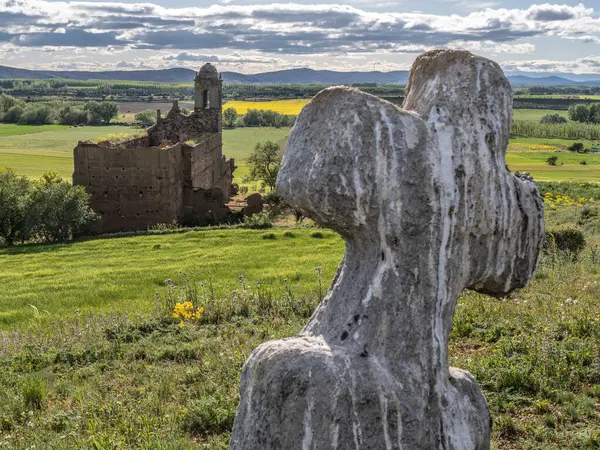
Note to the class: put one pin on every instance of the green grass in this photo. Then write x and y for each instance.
(568, 166)
(122, 274)
(535, 115)
(8, 129)
(71, 379)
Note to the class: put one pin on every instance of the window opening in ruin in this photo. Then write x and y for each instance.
(205, 102)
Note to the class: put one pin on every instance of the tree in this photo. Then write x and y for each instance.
(553, 118)
(576, 147)
(230, 117)
(15, 207)
(145, 119)
(264, 163)
(579, 113)
(552, 160)
(106, 111)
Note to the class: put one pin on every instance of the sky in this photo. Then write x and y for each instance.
(250, 36)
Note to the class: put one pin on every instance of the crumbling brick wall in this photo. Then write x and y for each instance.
(131, 188)
(178, 127)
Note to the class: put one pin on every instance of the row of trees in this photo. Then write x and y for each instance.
(257, 118)
(46, 210)
(585, 113)
(569, 130)
(14, 110)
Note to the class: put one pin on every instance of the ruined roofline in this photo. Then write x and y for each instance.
(131, 144)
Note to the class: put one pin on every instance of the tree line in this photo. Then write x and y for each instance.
(256, 118)
(585, 113)
(14, 110)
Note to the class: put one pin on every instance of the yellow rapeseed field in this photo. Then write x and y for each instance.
(288, 107)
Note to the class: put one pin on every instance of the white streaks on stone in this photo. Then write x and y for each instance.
(308, 432)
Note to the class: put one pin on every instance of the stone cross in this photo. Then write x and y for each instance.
(427, 208)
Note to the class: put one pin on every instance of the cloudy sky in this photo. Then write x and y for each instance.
(252, 36)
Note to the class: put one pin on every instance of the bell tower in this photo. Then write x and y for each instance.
(208, 96)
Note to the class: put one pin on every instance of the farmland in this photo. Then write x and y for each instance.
(288, 107)
(34, 154)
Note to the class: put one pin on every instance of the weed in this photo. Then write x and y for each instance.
(33, 390)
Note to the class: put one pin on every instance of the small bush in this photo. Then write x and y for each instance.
(259, 221)
(552, 160)
(289, 234)
(33, 389)
(583, 162)
(316, 235)
(269, 236)
(567, 240)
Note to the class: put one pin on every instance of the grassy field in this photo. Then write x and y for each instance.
(536, 114)
(7, 129)
(289, 107)
(100, 363)
(34, 154)
(122, 274)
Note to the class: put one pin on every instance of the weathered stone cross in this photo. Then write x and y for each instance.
(427, 208)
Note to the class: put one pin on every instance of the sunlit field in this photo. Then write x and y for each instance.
(288, 107)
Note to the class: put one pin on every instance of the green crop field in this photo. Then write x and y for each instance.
(535, 115)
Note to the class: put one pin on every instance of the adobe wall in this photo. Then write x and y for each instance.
(131, 188)
(207, 176)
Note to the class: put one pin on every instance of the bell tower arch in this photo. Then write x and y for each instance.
(209, 95)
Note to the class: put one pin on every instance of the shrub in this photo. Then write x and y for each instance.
(553, 118)
(289, 234)
(269, 236)
(567, 240)
(552, 160)
(145, 119)
(316, 235)
(258, 221)
(583, 162)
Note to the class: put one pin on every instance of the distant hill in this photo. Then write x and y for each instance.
(291, 76)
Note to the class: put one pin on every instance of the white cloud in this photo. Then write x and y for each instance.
(589, 64)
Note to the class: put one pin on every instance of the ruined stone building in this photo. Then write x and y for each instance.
(177, 172)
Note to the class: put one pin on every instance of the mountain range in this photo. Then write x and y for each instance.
(290, 76)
